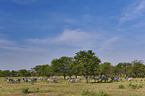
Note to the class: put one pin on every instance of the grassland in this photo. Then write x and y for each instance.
(65, 88)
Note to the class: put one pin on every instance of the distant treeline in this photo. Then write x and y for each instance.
(84, 63)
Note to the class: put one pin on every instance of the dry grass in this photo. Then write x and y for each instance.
(65, 88)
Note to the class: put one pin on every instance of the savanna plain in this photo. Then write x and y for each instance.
(65, 88)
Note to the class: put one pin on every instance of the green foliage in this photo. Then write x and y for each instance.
(121, 86)
(91, 93)
(130, 84)
(101, 93)
(25, 90)
(61, 65)
(37, 89)
(134, 86)
(140, 86)
(87, 63)
(32, 83)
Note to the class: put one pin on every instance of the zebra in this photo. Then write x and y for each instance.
(95, 79)
(105, 79)
(54, 80)
(10, 80)
(129, 79)
(116, 79)
(17, 80)
(44, 79)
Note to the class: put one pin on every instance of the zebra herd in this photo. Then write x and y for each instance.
(13, 80)
(55, 80)
(73, 79)
(100, 78)
(113, 78)
(9, 80)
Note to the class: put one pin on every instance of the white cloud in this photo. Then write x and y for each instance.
(133, 11)
(79, 39)
(73, 38)
(108, 44)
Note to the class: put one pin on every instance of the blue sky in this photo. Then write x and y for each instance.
(33, 32)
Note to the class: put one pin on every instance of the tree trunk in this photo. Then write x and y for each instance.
(75, 76)
(64, 76)
(86, 79)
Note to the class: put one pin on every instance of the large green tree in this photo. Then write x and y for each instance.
(87, 63)
(105, 68)
(61, 65)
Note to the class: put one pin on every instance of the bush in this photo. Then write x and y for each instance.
(121, 87)
(141, 80)
(101, 93)
(25, 90)
(32, 83)
(37, 89)
(134, 86)
(130, 84)
(140, 86)
(87, 93)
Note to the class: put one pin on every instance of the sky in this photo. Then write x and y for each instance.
(34, 32)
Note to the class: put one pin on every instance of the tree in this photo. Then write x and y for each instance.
(61, 65)
(43, 70)
(105, 68)
(14, 73)
(6, 73)
(24, 72)
(36, 69)
(87, 62)
(138, 67)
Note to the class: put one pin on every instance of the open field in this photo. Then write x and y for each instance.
(65, 88)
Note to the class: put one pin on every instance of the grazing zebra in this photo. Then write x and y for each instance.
(73, 80)
(119, 79)
(30, 79)
(95, 79)
(116, 79)
(10, 80)
(129, 79)
(54, 80)
(17, 80)
(105, 79)
(44, 79)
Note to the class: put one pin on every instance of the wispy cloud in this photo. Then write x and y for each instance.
(78, 38)
(108, 44)
(133, 11)
(75, 38)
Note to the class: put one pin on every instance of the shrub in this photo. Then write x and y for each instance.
(101, 93)
(87, 93)
(32, 83)
(141, 80)
(121, 86)
(140, 86)
(25, 90)
(134, 86)
(130, 84)
(37, 89)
